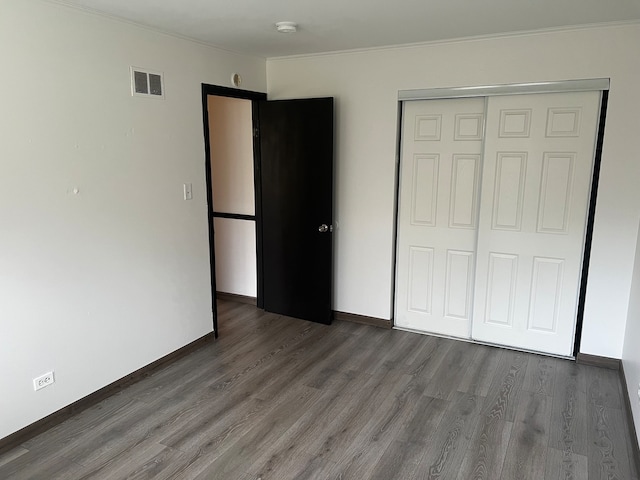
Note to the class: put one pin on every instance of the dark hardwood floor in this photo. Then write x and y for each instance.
(278, 398)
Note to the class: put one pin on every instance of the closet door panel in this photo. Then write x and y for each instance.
(440, 170)
(536, 178)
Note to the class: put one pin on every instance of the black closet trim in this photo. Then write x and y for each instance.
(590, 222)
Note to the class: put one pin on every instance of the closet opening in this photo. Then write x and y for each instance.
(496, 198)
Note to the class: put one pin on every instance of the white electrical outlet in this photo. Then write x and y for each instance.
(43, 381)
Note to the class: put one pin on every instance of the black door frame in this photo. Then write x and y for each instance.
(255, 97)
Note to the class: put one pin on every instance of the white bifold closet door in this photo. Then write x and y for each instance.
(491, 224)
(440, 172)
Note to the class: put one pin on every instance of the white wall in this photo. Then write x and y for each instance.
(98, 284)
(366, 86)
(631, 352)
(231, 142)
(236, 267)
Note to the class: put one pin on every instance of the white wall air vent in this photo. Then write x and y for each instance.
(146, 84)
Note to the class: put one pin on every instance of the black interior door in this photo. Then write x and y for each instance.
(296, 150)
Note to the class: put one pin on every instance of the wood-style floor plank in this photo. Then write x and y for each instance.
(401, 458)
(447, 378)
(608, 454)
(33, 466)
(487, 450)
(565, 466)
(12, 455)
(526, 455)
(428, 360)
(540, 375)
(479, 375)
(232, 463)
(162, 466)
(448, 444)
(398, 461)
(392, 416)
(341, 432)
(426, 418)
(329, 403)
(603, 388)
(275, 398)
(501, 403)
(569, 411)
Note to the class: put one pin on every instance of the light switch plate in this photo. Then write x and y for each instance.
(188, 191)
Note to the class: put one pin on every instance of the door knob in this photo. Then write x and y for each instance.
(325, 228)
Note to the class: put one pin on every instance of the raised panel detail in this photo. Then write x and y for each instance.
(428, 127)
(458, 284)
(501, 288)
(420, 279)
(464, 191)
(469, 126)
(563, 122)
(555, 192)
(515, 123)
(425, 190)
(545, 294)
(508, 195)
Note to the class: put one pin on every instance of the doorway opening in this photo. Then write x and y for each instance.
(234, 201)
(269, 177)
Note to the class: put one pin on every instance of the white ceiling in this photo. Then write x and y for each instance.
(248, 25)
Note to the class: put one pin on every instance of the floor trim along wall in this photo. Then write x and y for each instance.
(596, 361)
(632, 427)
(616, 364)
(36, 428)
(352, 317)
(234, 297)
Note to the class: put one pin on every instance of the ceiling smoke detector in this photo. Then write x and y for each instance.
(287, 27)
